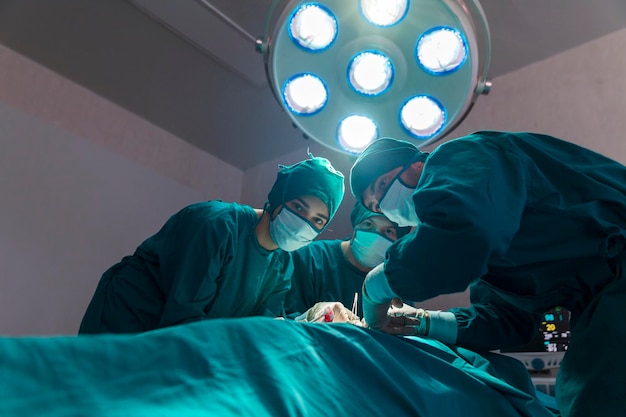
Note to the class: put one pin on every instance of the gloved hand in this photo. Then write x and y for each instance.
(334, 312)
(410, 321)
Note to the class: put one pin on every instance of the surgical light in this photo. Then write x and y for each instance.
(422, 116)
(313, 27)
(350, 71)
(384, 12)
(370, 73)
(356, 132)
(305, 94)
(441, 50)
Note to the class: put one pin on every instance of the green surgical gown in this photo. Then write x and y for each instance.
(531, 222)
(204, 263)
(322, 273)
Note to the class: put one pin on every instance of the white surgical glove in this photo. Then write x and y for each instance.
(411, 321)
(325, 312)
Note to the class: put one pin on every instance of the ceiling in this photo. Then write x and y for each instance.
(211, 92)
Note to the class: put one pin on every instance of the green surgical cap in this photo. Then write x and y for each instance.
(315, 176)
(381, 156)
(361, 213)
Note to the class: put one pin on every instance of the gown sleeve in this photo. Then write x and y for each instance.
(195, 244)
(302, 294)
(492, 323)
(273, 305)
(469, 201)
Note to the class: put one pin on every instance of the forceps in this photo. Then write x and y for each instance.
(355, 304)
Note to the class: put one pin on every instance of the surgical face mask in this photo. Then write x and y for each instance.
(369, 247)
(397, 204)
(290, 231)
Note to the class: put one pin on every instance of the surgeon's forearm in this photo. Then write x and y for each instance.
(376, 299)
(377, 287)
(442, 326)
(438, 324)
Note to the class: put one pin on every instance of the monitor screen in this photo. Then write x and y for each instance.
(549, 344)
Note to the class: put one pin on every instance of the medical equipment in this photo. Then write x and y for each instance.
(547, 349)
(349, 72)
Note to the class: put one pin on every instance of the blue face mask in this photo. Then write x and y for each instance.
(397, 204)
(369, 247)
(290, 231)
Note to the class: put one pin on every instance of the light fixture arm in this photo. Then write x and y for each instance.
(477, 13)
(227, 20)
